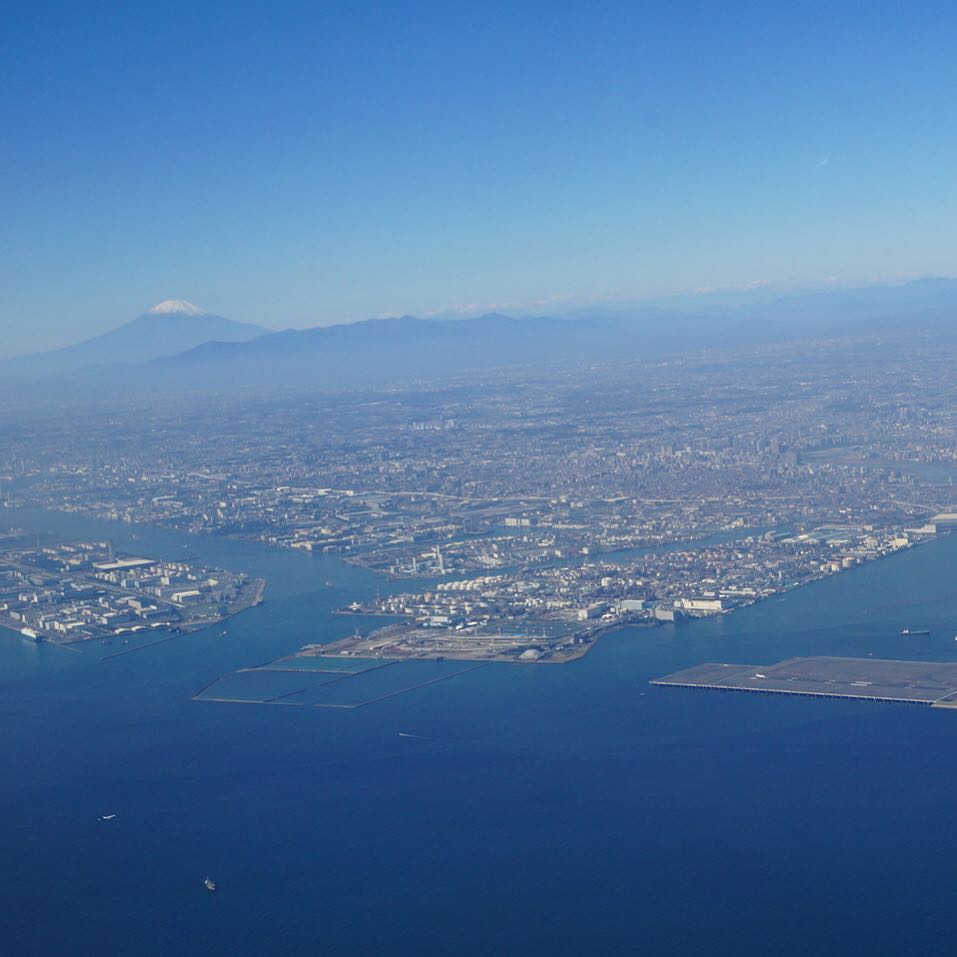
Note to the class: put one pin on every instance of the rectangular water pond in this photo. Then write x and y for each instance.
(325, 663)
(312, 687)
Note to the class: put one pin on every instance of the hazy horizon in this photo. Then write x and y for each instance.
(713, 299)
(335, 165)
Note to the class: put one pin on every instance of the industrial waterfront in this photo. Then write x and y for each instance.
(467, 781)
(74, 592)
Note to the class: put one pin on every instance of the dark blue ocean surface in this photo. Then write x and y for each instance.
(552, 809)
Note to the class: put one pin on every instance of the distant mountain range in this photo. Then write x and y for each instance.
(406, 348)
(172, 327)
(178, 346)
(816, 307)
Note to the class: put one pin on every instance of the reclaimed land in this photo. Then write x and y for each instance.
(931, 683)
(406, 641)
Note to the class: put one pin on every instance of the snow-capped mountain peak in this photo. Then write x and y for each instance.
(175, 306)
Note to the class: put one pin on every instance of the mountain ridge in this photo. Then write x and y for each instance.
(169, 328)
(220, 354)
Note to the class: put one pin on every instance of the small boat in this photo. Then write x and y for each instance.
(208, 884)
(907, 632)
(106, 817)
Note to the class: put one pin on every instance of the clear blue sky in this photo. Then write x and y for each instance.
(297, 164)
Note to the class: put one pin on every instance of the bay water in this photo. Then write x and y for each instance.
(543, 809)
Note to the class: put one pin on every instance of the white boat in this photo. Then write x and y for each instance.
(107, 817)
(208, 884)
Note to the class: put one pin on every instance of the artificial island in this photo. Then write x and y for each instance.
(68, 592)
(931, 683)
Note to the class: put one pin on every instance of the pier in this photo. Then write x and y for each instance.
(932, 683)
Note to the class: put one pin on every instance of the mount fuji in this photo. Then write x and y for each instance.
(170, 327)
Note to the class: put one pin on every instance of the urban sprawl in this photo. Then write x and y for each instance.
(517, 514)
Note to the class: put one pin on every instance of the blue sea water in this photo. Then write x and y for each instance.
(552, 809)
